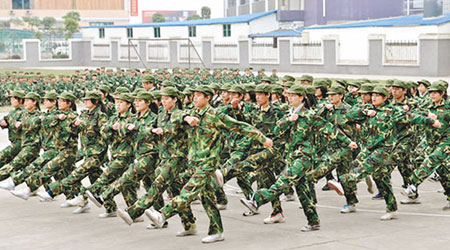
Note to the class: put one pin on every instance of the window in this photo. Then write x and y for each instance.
(100, 23)
(192, 31)
(243, 2)
(101, 33)
(227, 30)
(157, 32)
(21, 4)
(130, 32)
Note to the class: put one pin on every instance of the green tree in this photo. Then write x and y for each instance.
(48, 23)
(206, 12)
(73, 14)
(71, 26)
(194, 17)
(32, 22)
(158, 18)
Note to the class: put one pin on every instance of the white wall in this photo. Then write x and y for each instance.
(264, 24)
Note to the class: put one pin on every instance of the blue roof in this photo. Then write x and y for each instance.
(279, 33)
(225, 20)
(415, 20)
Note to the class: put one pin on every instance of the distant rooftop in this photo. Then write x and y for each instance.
(225, 20)
(279, 33)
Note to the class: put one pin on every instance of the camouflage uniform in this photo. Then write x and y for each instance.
(11, 151)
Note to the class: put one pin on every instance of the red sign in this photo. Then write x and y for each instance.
(134, 7)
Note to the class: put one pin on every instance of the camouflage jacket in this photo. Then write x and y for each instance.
(120, 145)
(145, 142)
(65, 132)
(48, 132)
(173, 141)
(92, 142)
(14, 134)
(31, 124)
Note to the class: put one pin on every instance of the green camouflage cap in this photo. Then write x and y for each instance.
(438, 86)
(366, 88)
(170, 91)
(104, 88)
(167, 83)
(266, 79)
(288, 84)
(424, 82)
(144, 95)
(156, 94)
(205, 89)
(226, 86)
(188, 91)
(288, 78)
(412, 84)
(215, 86)
(355, 84)
(109, 70)
(263, 88)
(381, 90)
(18, 94)
(67, 96)
(307, 78)
(249, 87)
(336, 89)
(148, 78)
(310, 90)
(51, 95)
(33, 95)
(121, 90)
(320, 84)
(238, 89)
(342, 82)
(389, 82)
(93, 95)
(278, 89)
(137, 90)
(399, 84)
(128, 97)
(297, 89)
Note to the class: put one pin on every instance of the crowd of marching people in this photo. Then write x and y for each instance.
(184, 133)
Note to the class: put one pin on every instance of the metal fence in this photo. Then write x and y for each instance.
(129, 51)
(264, 52)
(101, 51)
(401, 52)
(310, 52)
(226, 52)
(158, 51)
(55, 49)
(187, 52)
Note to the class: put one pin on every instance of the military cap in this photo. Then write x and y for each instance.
(263, 88)
(215, 86)
(51, 95)
(205, 89)
(67, 96)
(128, 97)
(93, 95)
(104, 88)
(168, 83)
(336, 89)
(266, 79)
(297, 89)
(355, 84)
(156, 94)
(188, 91)
(389, 82)
(237, 89)
(148, 78)
(288, 78)
(412, 84)
(310, 90)
(144, 95)
(249, 87)
(170, 91)
(137, 90)
(342, 82)
(32, 95)
(288, 84)
(276, 88)
(226, 86)
(320, 84)
(424, 82)
(445, 83)
(18, 94)
(399, 84)
(121, 90)
(380, 90)
(109, 70)
(437, 86)
(307, 78)
(366, 88)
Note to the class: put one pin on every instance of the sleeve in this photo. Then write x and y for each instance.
(242, 128)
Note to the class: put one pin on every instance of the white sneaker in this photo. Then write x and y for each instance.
(310, 228)
(336, 186)
(192, 231)
(152, 226)
(125, 216)
(221, 206)
(107, 215)
(213, 238)
(44, 195)
(97, 200)
(8, 184)
(23, 194)
(219, 177)
(370, 185)
(251, 205)
(156, 217)
(389, 216)
(77, 201)
(410, 191)
(410, 201)
(83, 209)
(278, 218)
(65, 204)
(348, 209)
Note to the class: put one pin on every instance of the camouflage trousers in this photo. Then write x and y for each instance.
(128, 183)
(401, 157)
(243, 179)
(167, 175)
(293, 176)
(26, 155)
(263, 163)
(8, 153)
(200, 183)
(340, 160)
(377, 163)
(36, 165)
(59, 167)
(113, 171)
(90, 168)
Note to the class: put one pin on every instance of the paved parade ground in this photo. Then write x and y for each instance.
(36, 225)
